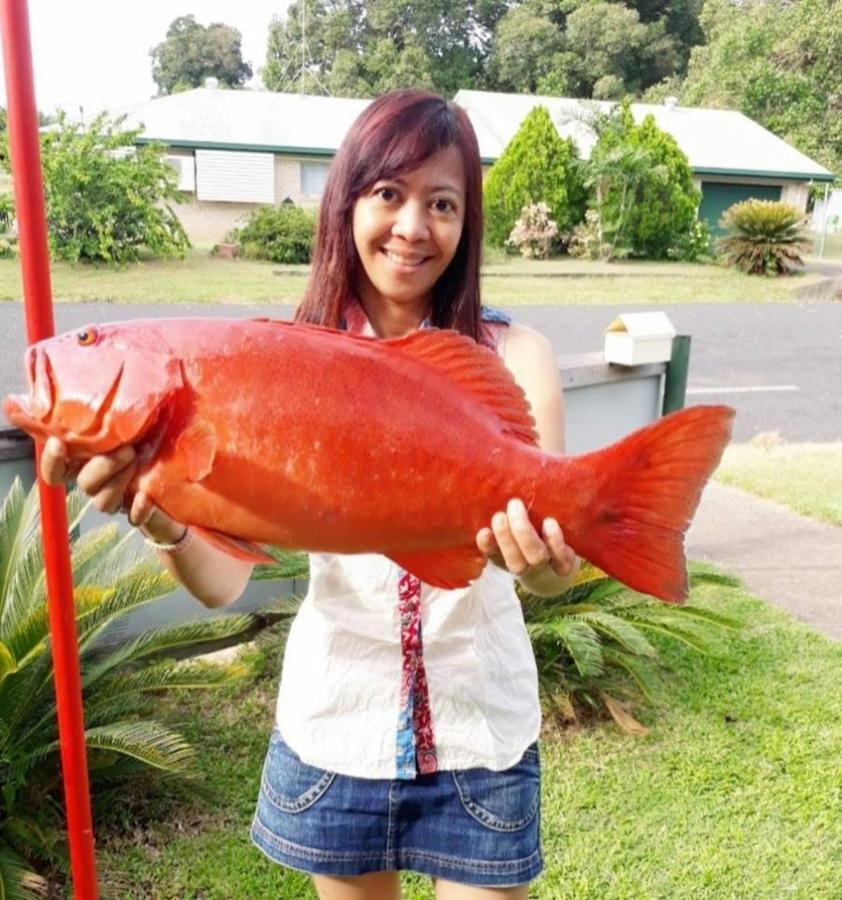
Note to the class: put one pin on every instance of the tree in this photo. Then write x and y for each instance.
(643, 185)
(581, 49)
(527, 49)
(191, 52)
(365, 47)
(106, 198)
(537, 166)
(777, 62)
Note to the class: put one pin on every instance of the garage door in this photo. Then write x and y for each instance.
(717, 196)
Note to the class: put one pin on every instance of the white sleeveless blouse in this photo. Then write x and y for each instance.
(340, 701)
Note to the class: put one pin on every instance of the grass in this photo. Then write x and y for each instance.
(805, 477)
(200, 278)
(832, 248)
(734, 793)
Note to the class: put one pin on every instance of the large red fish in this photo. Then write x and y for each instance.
(303, 437)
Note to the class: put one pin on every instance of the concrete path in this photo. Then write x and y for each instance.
(790, 561)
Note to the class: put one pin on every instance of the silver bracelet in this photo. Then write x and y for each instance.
(176, 547)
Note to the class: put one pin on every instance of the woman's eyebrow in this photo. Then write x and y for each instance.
(446, 187)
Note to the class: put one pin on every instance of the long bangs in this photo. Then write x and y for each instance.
(395, 134)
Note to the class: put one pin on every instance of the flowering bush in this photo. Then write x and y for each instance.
(585, 242)
(534, 232)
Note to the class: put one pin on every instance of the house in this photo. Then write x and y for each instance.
(237, 150)
(732, 157)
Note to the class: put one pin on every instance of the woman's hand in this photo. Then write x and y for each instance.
(542, 562)
(105, 479)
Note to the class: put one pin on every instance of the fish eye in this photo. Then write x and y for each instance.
(86, 337)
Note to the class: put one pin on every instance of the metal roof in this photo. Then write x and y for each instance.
(216, 118)
(716, 141)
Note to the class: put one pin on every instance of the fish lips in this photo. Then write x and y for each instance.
(92, 408)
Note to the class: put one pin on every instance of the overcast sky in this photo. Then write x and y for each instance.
(95, 53)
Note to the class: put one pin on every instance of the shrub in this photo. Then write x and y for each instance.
(585, 241)
(643, 185)
(534, 232)
(111, 577)
(106, 198)
(8, 240)
(766, 237)
(695, 245)
(591, 642)
(537, 166)
(282, 234)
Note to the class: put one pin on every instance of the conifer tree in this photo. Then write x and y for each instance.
(537, 166)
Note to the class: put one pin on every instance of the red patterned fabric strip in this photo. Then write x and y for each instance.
(414, 689)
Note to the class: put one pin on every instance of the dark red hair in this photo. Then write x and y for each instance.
(395, 134)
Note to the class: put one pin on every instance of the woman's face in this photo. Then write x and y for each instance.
(407, 229)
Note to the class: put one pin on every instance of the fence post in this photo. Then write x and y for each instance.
(675, 378)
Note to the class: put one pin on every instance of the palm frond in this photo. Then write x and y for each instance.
(129, 593)
(694, 633)
(617, 629)
(706, 573)
(149, 742)
(11, 515)
(641, 671)
(577, 638)
(290, 564)
(17, 880)
(166, 639)
(89, 549)
(168, 675)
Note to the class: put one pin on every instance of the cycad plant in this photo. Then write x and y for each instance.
(592, 648)
(112, 577)
(765, 237)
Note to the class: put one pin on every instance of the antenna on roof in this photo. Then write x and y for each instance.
(305, 51)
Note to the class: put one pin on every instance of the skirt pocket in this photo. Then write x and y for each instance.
(502, 801)
(289, 784)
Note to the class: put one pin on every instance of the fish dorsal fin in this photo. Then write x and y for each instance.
(476, 369)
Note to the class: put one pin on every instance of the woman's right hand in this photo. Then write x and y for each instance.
(105, 479)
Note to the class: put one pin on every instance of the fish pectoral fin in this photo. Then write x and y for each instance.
(196, 446)
(234, 546)
(451, 568)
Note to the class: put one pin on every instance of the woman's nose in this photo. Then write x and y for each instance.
(411, 222)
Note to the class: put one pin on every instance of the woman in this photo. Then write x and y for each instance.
(407, 716)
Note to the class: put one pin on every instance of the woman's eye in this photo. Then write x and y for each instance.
(443, 206)
(387, 194)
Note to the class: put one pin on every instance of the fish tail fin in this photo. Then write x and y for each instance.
(647, 488)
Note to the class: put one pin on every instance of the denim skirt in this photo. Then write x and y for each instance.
(472, 826)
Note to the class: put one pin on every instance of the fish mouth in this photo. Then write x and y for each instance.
(45, 412)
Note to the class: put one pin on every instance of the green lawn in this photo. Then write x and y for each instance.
(506, 281)
(735, 793)
(805, 477)
(832, 247)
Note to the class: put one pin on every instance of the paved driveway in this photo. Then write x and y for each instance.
(779, 365)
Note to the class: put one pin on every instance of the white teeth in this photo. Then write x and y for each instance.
(403, 260)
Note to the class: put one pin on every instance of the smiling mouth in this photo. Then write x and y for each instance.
(401, 260)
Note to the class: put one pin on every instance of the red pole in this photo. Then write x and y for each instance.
(35, 267)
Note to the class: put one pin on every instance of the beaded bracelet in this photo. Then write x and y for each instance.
(176, 547)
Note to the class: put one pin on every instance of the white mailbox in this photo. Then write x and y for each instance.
(636, 338)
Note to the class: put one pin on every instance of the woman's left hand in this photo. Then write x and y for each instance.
(513, 543)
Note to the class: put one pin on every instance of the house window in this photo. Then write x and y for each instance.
(235, 176)
(313, 178)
